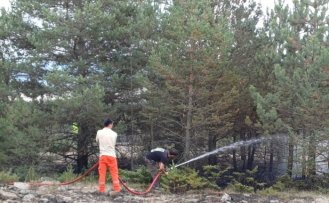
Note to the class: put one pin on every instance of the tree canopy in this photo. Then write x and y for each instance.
(193, 75)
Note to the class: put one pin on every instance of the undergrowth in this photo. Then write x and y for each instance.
(8, 177)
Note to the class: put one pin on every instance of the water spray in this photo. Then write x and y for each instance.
(229, 147)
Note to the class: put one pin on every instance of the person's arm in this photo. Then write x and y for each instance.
(97, 138)
(163, 162)
(162, 167)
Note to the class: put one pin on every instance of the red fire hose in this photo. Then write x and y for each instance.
(90, 170)
(68, 182)
(141, 193)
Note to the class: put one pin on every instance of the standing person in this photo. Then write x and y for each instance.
(157, 159)
(106, 139)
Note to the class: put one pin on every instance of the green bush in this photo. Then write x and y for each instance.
(181, 180)
(269, 192)
(68, 175)
(239, 181)
(324, 190)
(141, 175)
(91, 178)
(31, 175)
(279, 186)
(282, 183)
(239, 187)
(8, 177)
(228, 177)
(286, 181)
(212, 172)
(312, 183)
(27, 173)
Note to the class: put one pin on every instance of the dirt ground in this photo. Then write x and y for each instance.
(79, 193)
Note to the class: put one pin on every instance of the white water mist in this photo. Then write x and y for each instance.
(232, 146)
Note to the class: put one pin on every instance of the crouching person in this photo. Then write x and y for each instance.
(156, 161)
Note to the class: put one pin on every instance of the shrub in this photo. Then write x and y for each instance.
(91, 178)
(312, 183)
(269, 192)
(215, 176)
(21, 172)
(8, 177)
(141, 175)
(240, 181)
(181, 180)
(31, 175)
(286, 181)
(68, 175)
(239, 187)
(279, 186)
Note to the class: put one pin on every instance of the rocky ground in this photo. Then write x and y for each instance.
(79, 193)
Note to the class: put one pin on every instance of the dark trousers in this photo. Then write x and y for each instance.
(152, 167)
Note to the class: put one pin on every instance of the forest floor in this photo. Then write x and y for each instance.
(88, 193)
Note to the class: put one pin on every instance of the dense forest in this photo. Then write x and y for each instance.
(193, 75)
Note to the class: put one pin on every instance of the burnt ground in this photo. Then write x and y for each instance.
(79, 193)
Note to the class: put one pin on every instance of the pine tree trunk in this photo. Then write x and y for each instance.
(212, 146)
(304, 168)
(290, 156)
(82, 149)
(264, 157)
(234, 156)
(132, 149)
(152, 134)
(304, 165)
(243, 152)
(251, 156)
(189, 119)
(270, 167)
(312, 155)
(305, 143)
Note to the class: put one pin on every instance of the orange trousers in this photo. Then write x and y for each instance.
(111, 163)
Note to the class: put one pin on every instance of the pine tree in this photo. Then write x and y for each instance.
(189, 61)
(300, 96)
(78, 51)
(244, 16)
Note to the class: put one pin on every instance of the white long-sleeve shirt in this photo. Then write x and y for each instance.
(106, 139)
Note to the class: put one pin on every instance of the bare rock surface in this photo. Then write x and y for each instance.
(82, 193)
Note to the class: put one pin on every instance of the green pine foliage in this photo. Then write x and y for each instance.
(8, 177)
(23, 126)
(182, 180)
(239, 187)
(189, 80)
(140, 175)
(246, 182)
(193, 75)
(31, 175)
(83, 61)
(68, 175)
(298, 102)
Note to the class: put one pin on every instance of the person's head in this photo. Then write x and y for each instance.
(172, 153)
(108, 123)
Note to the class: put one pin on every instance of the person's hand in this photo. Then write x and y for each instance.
(162, 170)
(162, 167)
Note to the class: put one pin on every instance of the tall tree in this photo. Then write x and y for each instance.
(77, 47)
(190, 58)
(244, 19)
(21, 121)
(300, 85)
